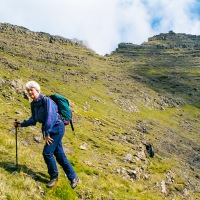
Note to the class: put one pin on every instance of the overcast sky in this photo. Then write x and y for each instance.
(104, 23)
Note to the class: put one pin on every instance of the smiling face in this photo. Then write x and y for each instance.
(33, 93)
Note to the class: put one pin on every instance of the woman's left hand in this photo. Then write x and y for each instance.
(48, 140)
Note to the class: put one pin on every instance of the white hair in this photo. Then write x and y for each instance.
(32, 84)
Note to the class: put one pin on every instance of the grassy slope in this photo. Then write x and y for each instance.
(101, 94)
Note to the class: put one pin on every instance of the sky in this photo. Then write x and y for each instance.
(103, 24)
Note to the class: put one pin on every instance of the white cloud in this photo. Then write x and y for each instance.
(104, 23)
(175, 15)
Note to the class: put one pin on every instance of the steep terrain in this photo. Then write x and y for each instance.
(137, 96)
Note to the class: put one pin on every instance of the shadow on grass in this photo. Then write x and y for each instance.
(13, 168)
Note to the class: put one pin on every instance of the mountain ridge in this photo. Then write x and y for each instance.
(122, 102)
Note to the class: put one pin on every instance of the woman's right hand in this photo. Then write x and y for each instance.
(16, 124)
(48, 140)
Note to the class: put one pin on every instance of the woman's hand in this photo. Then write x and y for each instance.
(16, 124)
(48, 140)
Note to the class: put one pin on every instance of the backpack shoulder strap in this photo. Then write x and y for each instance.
(72, 126)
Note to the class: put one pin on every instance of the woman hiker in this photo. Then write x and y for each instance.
(53, 129)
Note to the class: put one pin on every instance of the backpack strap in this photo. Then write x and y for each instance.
(71, 123)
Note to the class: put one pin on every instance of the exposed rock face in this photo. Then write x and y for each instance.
(166, 52)
(177, 40)
(165, 41)
(5, 27)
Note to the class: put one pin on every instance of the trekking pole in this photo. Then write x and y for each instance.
(16, 143)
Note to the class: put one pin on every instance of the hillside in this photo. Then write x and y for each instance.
(122, 102)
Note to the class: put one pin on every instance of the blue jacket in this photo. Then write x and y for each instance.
(44, 111)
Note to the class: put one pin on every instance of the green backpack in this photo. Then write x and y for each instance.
(63, 108)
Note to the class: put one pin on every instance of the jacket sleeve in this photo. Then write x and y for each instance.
(31, 121)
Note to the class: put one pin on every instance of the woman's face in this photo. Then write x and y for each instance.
(33, 93)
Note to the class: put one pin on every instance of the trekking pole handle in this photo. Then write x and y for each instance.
(16, 123)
